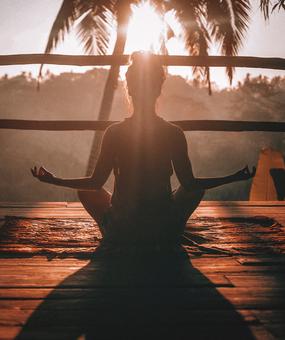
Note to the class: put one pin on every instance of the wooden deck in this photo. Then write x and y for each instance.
(232, 286)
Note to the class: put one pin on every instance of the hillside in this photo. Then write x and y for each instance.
(77, 96)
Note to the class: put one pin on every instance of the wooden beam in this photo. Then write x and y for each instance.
(186, 125)
(174, 60)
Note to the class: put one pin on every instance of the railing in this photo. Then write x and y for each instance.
(186, 125)
(174, 60)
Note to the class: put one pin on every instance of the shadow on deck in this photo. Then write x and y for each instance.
(232, 287)
(136, 299)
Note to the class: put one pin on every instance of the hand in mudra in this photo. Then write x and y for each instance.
(245, 173)
(42, 174)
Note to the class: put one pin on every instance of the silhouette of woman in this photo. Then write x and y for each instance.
(142, 151)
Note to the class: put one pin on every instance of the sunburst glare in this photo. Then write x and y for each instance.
(146, 29)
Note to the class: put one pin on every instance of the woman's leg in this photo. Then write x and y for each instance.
(186, 202)
(96, 203)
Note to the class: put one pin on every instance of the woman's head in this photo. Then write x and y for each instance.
(145, 76)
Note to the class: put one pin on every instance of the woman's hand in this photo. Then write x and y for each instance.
(245, 173)
(43, 174)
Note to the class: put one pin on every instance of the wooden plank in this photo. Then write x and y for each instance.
(40, 269)
(74, 293)
(41, 213)
(210, 204)
(273, 281)
(133, 331)
(174, 60)
(238, 203)
(201, 211)
(43, 261)
(261, 261)
(200, 262)
(277, 330)
(186, 125)
(84, 279)
(37, 204)
(179, 317)
(176, 299)
(270, 315)
(8, 333)
(227, 331)
(259, 332)
(279, 209)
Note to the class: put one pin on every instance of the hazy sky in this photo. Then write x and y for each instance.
(25, 25)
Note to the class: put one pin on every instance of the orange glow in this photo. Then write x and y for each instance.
(146, 29)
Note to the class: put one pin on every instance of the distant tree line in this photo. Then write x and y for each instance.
(78, 96)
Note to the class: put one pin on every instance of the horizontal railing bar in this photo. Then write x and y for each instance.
(174, 60)
(186, 125)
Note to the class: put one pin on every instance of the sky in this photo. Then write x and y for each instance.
(25, 25)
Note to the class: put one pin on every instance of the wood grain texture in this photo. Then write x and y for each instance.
(49, 291)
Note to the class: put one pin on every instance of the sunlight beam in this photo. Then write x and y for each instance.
(146, 29)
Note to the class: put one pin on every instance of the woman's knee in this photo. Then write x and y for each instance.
(198, 192)
(96, 201)
(83, 195)
(94, 195)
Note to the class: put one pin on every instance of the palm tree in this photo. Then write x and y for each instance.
(95, 20)
(203, 22)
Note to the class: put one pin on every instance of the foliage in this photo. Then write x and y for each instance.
(266, 5)
(203, 22)
(260, 98)
(72, 96)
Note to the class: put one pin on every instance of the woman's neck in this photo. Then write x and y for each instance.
(144, 110)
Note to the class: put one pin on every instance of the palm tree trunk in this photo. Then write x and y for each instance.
(111, 83)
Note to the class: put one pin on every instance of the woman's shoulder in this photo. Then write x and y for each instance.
(171, 127)
(113, 128)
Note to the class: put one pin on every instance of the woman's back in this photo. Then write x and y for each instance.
(142, 156)
(142, 163)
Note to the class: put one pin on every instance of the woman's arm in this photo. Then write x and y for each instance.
(84, 183)
(101, 173)
(183, 169)
(241, 175)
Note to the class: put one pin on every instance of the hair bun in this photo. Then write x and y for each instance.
(144, 58)
(145, 70)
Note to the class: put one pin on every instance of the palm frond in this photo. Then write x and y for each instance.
(93, 32)
(228, 20)
(265, 7)
(62, 23)
(69, 11)
(191, 15)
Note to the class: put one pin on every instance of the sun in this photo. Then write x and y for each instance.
(146, 29)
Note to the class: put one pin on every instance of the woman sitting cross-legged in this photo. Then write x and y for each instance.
(142, 151)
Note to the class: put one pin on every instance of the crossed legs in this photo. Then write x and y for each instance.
(186, 202)
(97, 202)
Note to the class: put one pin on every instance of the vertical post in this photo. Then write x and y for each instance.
(123, 14)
